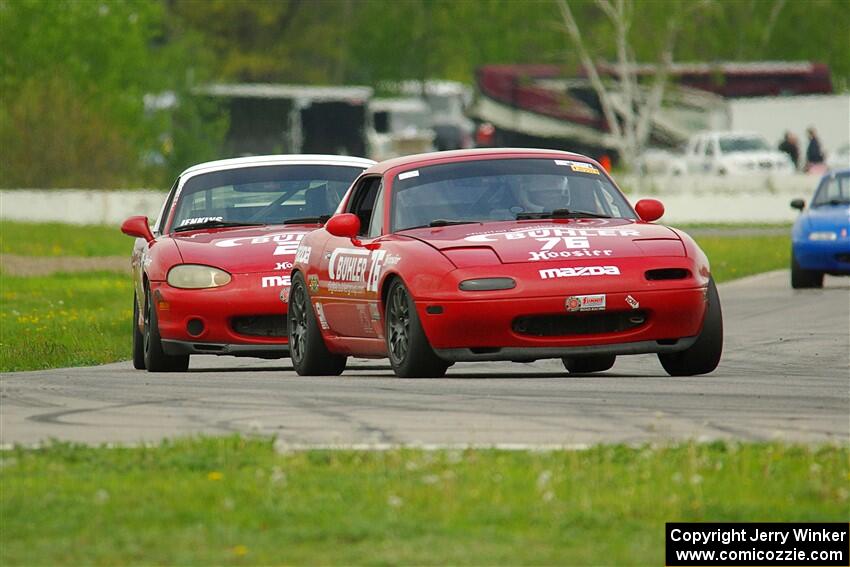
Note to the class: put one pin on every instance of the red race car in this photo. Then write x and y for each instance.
(500, 254)
(211, 275)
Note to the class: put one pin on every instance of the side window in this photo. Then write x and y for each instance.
(377, 220)
(159, 225)
(709, 147)
(362, 203)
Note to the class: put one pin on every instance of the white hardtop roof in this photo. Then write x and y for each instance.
(285, 159)
(269, 90)
(402, 104)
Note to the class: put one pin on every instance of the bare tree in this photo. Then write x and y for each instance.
(628, 108)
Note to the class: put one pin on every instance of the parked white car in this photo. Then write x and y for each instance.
(400, 126)
(734, 153)
(839, 158)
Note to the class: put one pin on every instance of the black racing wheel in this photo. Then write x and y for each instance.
(310, 356)
(410, 353)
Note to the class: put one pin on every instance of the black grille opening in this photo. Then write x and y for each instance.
(485, 350)
(843, 257)
(668, 274)
(260, 325)
(578, 323)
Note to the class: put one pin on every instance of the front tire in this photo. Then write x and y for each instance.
(155, 358)
(307, 350)
(588, 364)
(410, 353)
(138, 339)
(703, 356)
(804, 279)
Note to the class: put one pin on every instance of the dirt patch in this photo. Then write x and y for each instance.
(15, 265)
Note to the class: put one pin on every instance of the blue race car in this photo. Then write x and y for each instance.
(820, 243)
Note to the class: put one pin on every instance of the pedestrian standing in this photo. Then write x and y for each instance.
(789, 146)
(814, 152)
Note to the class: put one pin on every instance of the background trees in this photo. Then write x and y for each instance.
(73, 74)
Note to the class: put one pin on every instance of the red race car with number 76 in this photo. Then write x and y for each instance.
(499, 254)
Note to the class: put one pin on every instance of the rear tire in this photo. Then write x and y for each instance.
(804, 279)
(307, 350)
(703, 356)
(155, 358)
(409, 351)
(138, 339)
(588, 364)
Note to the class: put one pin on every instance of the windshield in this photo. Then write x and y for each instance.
(834, 190)
(502, 189)
(263, 195)
(748, 144)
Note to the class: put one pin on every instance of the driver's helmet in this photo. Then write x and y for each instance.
(539, 193)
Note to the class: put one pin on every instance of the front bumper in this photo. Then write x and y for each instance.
(222, 312)
(523, 354)
(485, 329)
(831, 256)
(193, 347)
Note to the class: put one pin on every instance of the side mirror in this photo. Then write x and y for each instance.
(798, 204)
(344, 225)
(649, 209)
(138, 227)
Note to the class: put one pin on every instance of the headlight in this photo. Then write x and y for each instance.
(822, 235)
(487, 284)
(196, 276)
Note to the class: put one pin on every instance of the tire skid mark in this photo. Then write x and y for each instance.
(56, 417)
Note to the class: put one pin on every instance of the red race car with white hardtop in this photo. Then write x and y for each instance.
(212, 275)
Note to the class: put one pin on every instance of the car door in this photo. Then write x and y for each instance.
(352, 269)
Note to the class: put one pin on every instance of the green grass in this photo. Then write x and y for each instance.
(58, 239)
(234, 501)
(64, 320)
(736, 257)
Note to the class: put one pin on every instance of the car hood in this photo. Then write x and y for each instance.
(828, 217)
(243, 250)
(555, 240)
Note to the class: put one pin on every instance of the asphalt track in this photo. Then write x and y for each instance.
(784, 375)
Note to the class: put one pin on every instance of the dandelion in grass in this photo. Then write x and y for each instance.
(214, 475)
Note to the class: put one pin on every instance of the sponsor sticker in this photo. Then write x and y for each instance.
(284, 294)
(632, 302)
(320, 311)
(302, 254)
(408, 174)
(275, 281)
(579, 271)
(354, 270)
(199, 220)
(586, 302)
(554, 255)
(547, 231)
(554, 243)
(313, 283)
(286, 243)
(283, 266)
(578, 166)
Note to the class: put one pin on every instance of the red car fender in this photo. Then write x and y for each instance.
(692, 250)
(159, 257)
(421, 267)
